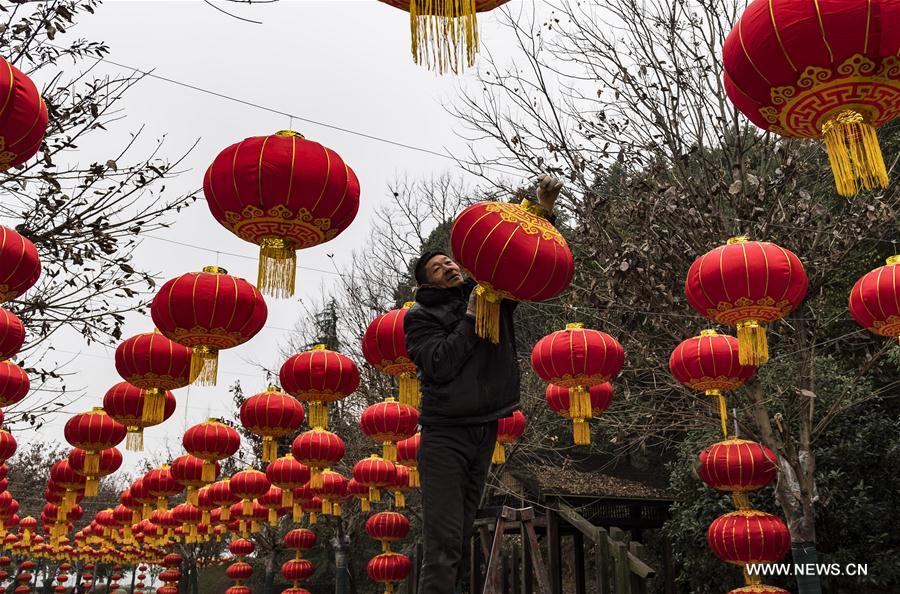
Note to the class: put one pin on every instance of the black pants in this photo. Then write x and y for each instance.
(453, 466)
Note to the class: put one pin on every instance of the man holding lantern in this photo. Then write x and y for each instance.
(467, 383)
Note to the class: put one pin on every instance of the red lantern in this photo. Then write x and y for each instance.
(375, 473)
(239, 571)
(160, 484)
(558, 399)
(296, 570)
(387, 527)
(242, 547)
(247, 485)
(220, 495)
(400, 486)
(187, 470)
(389, 422)
(389, 568)
(288, 474)
(211, 441)
(126, 404)
(361, 492)
(384, 347)
(509, 429)
(577, 358)
(154, 363)
(283, 193)
(12, 334)
(318, 449)
(208, 311)
(271, 500)
(739, 466)
(300, 539)
(748, 284)
(748, 536)
(757, 589)
(513, 254)
(820, 70)
(875, 299)
(109, 461)
(408, 456)
(332, 491)
(235, 590)
(710, 363)
(23, 117)
(19, 262)
(270, 415)
(319, 377)
(93, 432)
(61, 474)
(14, 383)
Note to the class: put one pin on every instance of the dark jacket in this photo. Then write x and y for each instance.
(464, 379)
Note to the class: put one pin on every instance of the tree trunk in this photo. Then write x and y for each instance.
(341, 574)
(270, 573)
(133, 576)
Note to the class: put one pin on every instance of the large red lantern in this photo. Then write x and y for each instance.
(23, 117)
(389, 422)
(739, 466)
(820, 70)
(710, 363)
(375, 473)
(319, 376)
(248, 485)
(187, 470)
(93, 432)
(109, 461)
(211, 441)
(12, 334)
(297, 570)
(332, 492)
(300, 539)
(559, 400)
(747, 284)
(400, 486)
(288, 474)
(270, 415)
(318, 449)
(239, 571)
(160, 484)
(14, 383)
(748, 536)
(389, 568)
(208, 311)
(20, 266)
(444, 34)
(154, 363)
(384, 347)
(875, 299)
(387, 527)
(221, 496)
(283, 193)
(408, 456)
(509, 429)
(513, 254)
(126, 404)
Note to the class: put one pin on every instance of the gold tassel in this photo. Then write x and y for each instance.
(273, 516)
(242, 527)
(296, 512)
(254, 527)
(162, 503)
(336, 509)
(364, 505)
(277, 267)
(385, 546)
(312, 518)
(269, 449)
(225, 513)
(753, 349)
(414, 477)
(154, 410)
(208, 474)
(326, 507)
(399, 499)
(582, 432)
(204, 365)
(315, 478)
(318, 414)
(499, 455)
(91, 464)
(246, 507)
(134, 441)
(854, 154)
(374, 494)
(587, 409)
(146, 510)
(389, 451)
(205, 517)
(192, 496)
(409, 389)
(287, 498)
(741, 500)
(444, 34)
(723, 409)
(91, 486)
(487, 314)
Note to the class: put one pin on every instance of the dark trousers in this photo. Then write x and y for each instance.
(453, 466)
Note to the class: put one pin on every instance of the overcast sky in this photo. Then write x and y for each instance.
(343, 62)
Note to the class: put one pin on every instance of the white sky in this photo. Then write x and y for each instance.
(344, 62)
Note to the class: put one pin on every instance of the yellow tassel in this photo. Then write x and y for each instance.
(315, 478)
(414, 477)
(854, 154)
(385, 546)
(204, 365)
(242, 527)
(154, 409)
(753, 349)
(192, 496)
(326, 507)
(318, 414)
(277, 267)
(374, 494)
(581, 432)
(146, 510)
(91, 464)
(741, 500)
(208, 474)
(273, 516)
(254, 526)
(336, 509)
(287, 498)
(364, 505)
(269, 449)
(246, 507)
(205, 517)
(723, 409)
(296, 512)
(499, 455)
(487, 314)
(444, 34)
(225, 513)
(91, 486)
(409, 389)
(312, 518)
(162, 503)
(134, 441)
(587, 410)
(399, 499)
(389, 451)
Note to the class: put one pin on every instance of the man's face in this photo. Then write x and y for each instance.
(443, 272)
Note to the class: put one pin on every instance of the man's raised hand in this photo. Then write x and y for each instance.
(548, 190)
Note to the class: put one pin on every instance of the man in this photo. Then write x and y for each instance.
(467, 384)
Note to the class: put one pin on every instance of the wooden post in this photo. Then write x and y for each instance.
(495, 560)
(527, 565)
(578, 545)
(620, 559)
(516, 569)
(638, 583)
(554, 557)
(601, 558)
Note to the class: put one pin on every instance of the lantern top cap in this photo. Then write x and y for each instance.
(213, 420)
(575, 326)
(97, 409)
(320, 347)
(408, 304)
(289, 133)
(272, 388)
(708, 332)
(895, 259)
(737, 239)
(214, 270)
